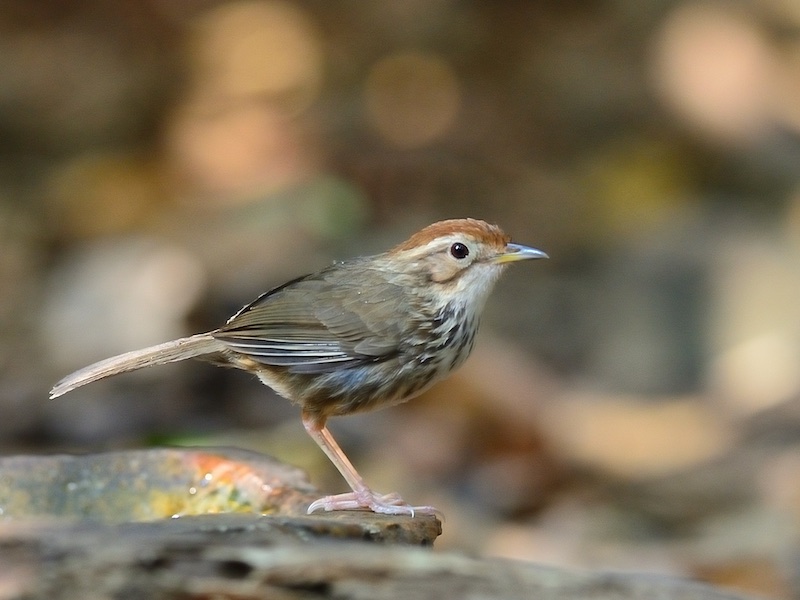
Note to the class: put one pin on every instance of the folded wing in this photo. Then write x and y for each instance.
(319, 323)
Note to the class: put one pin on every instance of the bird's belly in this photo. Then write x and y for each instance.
(363, 388)
(370, 385)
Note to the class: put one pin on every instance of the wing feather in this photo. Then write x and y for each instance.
(340, 317)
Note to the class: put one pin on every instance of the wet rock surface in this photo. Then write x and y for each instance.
(210, 523)
(144, 485)
(163, 492)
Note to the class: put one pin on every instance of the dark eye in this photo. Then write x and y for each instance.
(459, 250)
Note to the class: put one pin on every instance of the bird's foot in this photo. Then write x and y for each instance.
(386, 504)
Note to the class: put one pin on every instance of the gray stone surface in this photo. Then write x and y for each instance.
(94, 527)
(223, 557)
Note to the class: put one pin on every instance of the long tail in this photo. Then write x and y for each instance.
(188, 347)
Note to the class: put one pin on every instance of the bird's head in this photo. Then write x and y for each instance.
(460, 258)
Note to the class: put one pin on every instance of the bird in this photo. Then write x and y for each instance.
(359, 334)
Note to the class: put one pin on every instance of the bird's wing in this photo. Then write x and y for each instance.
(337, 318)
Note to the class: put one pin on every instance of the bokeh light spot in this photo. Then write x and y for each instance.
(714, 68)
(260, 48)
(412, 98)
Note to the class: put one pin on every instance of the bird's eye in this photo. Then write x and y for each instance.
(459, 250)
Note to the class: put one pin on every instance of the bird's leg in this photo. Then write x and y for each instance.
(362, 497)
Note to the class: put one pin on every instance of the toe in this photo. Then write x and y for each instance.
(385, 504)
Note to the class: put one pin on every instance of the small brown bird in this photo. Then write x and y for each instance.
(357, 335)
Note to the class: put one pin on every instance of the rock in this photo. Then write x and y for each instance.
(141, 562)
(146, 485)
(164, 491)
(211, 523)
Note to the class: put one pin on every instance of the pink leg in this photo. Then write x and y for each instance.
(361, 497)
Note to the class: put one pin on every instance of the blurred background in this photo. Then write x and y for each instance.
(632, 403)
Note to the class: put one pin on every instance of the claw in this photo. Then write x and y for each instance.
(386, 504)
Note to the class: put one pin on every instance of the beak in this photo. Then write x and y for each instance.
(515, 252)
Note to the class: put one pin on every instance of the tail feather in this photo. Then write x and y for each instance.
(176, 350)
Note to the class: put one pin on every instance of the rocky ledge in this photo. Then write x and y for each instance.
(198, 523)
